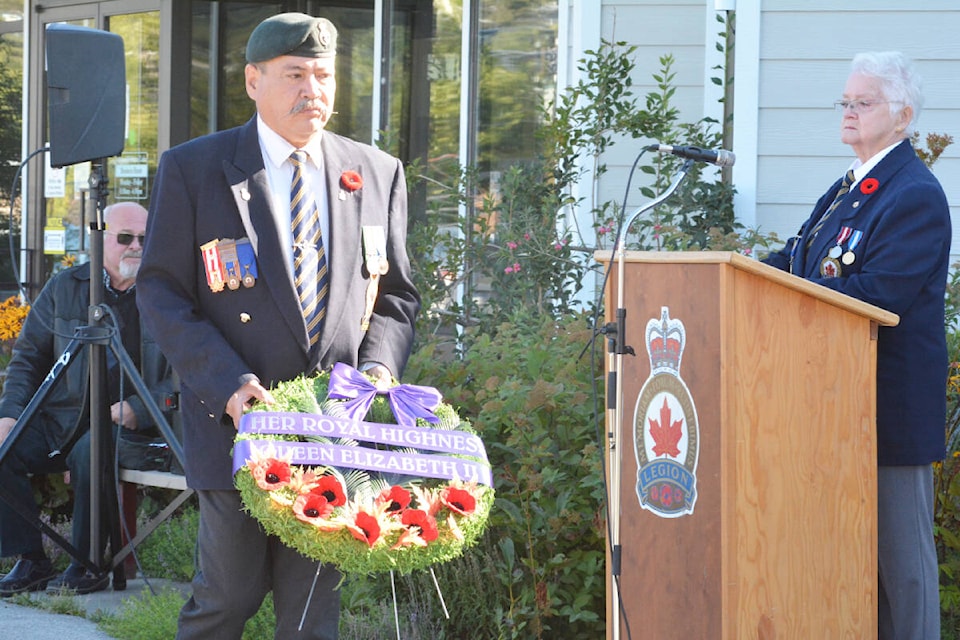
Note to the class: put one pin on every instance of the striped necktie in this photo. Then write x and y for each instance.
(848, 179)
(309, 258)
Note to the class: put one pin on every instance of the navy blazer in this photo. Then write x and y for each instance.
(900, 263)
(216, 187)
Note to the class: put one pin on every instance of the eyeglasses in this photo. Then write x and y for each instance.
(126, 238)
(861, 106)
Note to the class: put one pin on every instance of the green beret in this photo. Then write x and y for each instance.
(292, 34)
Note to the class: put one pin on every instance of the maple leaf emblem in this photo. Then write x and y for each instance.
(666, 434)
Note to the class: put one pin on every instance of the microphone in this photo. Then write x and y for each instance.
(721, 158)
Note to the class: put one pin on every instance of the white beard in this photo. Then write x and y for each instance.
(128, 269)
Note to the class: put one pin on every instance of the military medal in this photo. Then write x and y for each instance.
(212, 266)
(248, 263)
(375, 250)
(228, 258)
(229, 264)
(830, 267)
(850, 257)
(375, 260)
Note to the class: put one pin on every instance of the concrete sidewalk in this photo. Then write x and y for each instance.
(17, 621)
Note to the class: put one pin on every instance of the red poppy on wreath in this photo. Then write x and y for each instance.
(421, 529)
(365, 528)
(271, 474)
(458, 500)
(331, 489)
(351, 180)
(312, 507)
(396, 499)
(869, 185)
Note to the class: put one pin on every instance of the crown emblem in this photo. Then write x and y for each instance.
(665, 341)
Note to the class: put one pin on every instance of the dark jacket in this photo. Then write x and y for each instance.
(61, 307)
(900, 264)
(216, 187)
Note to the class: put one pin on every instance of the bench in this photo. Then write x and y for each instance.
(129, 479)
(163, 479)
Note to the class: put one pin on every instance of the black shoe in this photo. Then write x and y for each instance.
(78, 580)
(27, 575)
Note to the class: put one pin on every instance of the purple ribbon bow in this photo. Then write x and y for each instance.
(408, 401)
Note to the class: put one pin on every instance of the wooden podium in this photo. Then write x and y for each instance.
(749, 412)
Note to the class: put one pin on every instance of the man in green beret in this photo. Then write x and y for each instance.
(316, 210)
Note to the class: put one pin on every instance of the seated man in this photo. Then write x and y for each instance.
(44, 445)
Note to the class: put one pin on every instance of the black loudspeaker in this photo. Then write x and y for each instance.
(86, 94)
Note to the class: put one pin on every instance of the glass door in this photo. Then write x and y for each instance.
(60, 210)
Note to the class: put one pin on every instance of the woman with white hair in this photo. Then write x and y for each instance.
(882, 234)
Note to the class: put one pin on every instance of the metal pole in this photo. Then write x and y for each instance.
(616, 432)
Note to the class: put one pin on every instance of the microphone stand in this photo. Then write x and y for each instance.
(617, 348)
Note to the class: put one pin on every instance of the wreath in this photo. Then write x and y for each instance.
(368, 480)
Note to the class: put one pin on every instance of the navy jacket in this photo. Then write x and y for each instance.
(900, 264)
(216, 187)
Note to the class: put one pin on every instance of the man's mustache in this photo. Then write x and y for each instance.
(311, 104)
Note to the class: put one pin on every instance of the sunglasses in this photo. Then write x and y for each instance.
(126, 238)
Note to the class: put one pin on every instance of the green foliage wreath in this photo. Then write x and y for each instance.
(361, 521)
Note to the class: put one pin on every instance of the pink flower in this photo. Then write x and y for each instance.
(512, 245)
(516, 267)
(508, 270)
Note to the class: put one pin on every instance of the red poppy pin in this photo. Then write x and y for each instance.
(351, 180)
(869, 185)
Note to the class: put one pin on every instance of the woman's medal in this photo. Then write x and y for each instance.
(850, 257)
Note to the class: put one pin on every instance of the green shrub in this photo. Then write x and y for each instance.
(529, 396)
(154, 617)
(169, 551)
(947, 477)
(146, 617)
(467, 588)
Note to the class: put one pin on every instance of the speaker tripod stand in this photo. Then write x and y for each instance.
(96, 338)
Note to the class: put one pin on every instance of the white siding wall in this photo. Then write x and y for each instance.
(657, 28)
(804, 57)
(792, 61)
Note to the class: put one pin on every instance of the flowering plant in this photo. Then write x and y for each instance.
(351, 180)
(409, 488)
(12, 315)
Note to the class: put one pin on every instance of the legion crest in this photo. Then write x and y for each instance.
(666, 435)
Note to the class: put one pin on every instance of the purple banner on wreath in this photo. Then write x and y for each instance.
(331, 455)
(310, 424)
